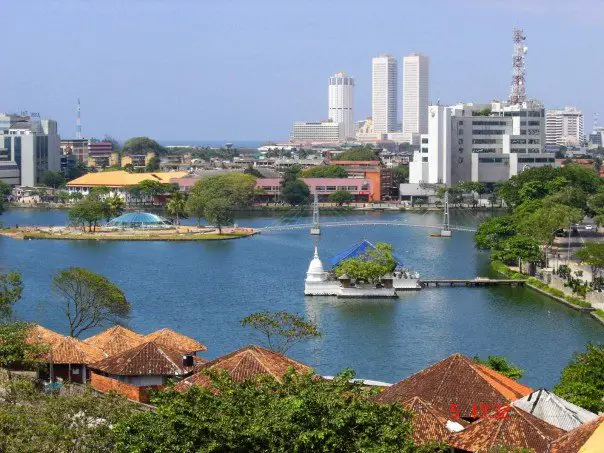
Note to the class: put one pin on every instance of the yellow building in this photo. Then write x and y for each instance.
(138, 160)
(104, 160)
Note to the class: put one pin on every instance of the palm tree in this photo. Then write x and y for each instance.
(114, 205)
(177, 206)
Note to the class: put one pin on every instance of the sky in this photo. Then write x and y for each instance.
(247, 69)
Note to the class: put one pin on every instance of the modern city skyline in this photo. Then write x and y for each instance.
(564, 127)
(416, 93)
(254, 82)
(341, 101)
(384, 93)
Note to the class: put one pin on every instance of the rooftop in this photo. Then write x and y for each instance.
(573, 441)
(138, 219)
(355, 251)
(145, 359)
(430, 424)
(456, 380)
(517, 429)
(115, 340)
(243, 364)
(174, 340)
(121, 178)
(63, 349)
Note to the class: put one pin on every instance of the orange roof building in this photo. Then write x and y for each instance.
(242, 364)
(430, 424)
(518, 429)
(115, 340)
(121, 179)
(579, 439)
(175, 340)
(457, 380)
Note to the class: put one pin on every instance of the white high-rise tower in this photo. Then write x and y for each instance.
(415, 94)
(384, 94)
(341, 102)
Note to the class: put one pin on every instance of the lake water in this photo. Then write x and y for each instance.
(204, 289)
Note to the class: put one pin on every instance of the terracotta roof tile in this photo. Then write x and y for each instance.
(243, 364)
(63, 349)
(115, 340)
(456, 380)
(572, 441)
(175, 340)
(145, 359)
(429, 424)
(518, 429)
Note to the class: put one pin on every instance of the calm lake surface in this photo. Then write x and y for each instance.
(204, 289)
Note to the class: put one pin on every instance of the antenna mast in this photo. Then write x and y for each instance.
(518, 88)
(315, 229)
(78, 122)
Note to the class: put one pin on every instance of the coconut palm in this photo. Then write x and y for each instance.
(177, 206)
(114, 206)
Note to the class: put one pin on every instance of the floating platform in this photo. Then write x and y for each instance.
(471, 282)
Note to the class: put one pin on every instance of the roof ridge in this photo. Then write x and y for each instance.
(168, 358)
(480, 369)
(497, 431)
(446, 373)
(537, 428)
(258, 356)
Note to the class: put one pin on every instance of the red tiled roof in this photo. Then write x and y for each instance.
(360, 163)
(429, 424)
(456, 380)
(243, 364)
(115, 340)
(146, 359)
(518, 429)
(63, 349)
(175, 340)
(572, 441)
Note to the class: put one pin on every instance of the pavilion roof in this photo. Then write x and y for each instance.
(456, 380)
(429, 423)
(574, 441)
(518, 429)
(175, 340)
(63, 349)
(243, 364)
(115, 340)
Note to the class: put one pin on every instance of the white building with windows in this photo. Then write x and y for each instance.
(341, 102)
(564, 127)
(318, 131)
(415, 94)
(480, 142)
(29, 146)
(384, 95)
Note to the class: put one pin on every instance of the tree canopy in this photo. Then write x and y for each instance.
(295, 192)
(237, 188)
(11, 288)
(219, 212)
(341, 197)
(88, 211)
(325, 171)
(501, 365)
(510, 250)
(370, 266)
(281, 329)
(90, 299)
(142, 145)
(52, 179)
(582, 380)
(303, 414)
(358, 153)
(592, 254)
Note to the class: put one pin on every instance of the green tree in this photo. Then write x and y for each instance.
(369, 266)
(341, 197)
(11, 288)
(142, 145)
(194, 207)
(152, 188)
(592, 254)
(219, 212)
(114, 206)
(153, 164)
(5, 190)
(52, 179)
(545, 221)
(177, 206)
(281, 329)
(325, 171)
(295, 192)
(516, 248)
(401, 174)
(582, 380)
(501, 365)
(91, 300)
(252, 172)
(129, 168)
(237, 188)
(358, 153)
(87, 211)
(63, 196)
(303, 414)
(79, 170)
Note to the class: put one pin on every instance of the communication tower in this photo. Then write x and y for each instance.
(518, 88)
(78, 122)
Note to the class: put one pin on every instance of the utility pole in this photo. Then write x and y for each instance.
(568, 254)
(446, 229)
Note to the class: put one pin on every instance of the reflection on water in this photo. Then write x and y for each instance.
(204, 289)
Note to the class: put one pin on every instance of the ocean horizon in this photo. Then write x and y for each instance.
(214, 143)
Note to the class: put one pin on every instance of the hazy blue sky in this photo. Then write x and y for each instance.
(246, 69)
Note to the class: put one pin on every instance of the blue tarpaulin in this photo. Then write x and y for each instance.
(353, 252)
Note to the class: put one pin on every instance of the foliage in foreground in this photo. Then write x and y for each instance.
(501, 365)
(582, 380)
(370, 266)
(303, 414)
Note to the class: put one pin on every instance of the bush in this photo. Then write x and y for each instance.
(578, 302)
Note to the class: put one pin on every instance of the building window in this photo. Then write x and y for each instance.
(331, 188)
(425, 159)
(424, 140)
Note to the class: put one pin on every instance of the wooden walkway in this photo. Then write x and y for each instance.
(469, 282)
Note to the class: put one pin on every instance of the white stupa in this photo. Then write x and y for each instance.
(315, 272)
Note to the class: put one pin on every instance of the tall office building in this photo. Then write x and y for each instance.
(564, 127)
(415, 94)
(384, 94)
(29, 146)
(341, 102)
